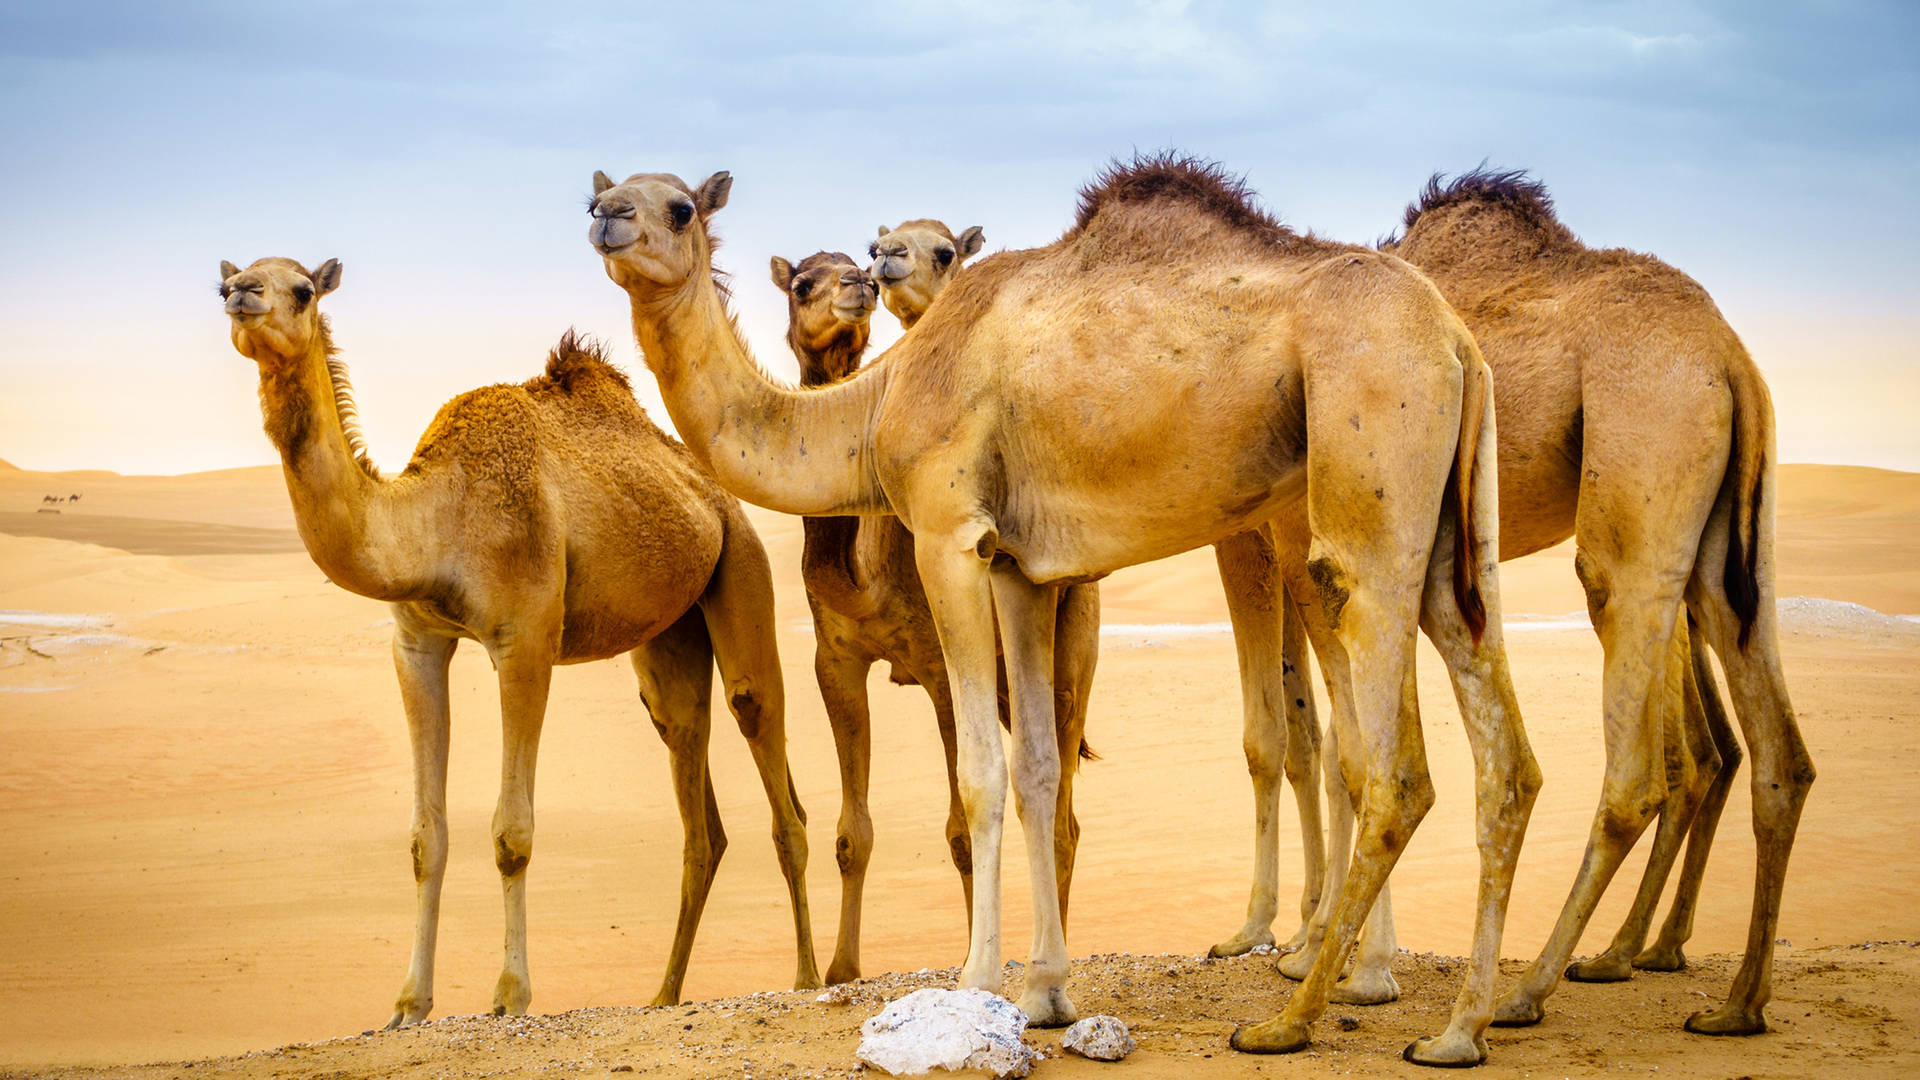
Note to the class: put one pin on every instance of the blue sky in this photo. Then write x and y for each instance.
(443, 151)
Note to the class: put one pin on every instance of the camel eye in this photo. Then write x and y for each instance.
(593, 204)
(802, 289)
(681, 213)
(873, 250)
(302, 293)
(225, 290)
(944, 257)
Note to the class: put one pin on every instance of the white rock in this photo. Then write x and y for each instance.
(837, 994)
(947, 1029)
(1102, 1038)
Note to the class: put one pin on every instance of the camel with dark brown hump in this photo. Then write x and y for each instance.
(1592, 350)
(914, 261)
(553, 523)
(868, 606)
(1263, 369)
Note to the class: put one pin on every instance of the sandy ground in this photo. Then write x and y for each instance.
(204, 799)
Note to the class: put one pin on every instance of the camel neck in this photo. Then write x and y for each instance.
(340, 507)
(795, 451)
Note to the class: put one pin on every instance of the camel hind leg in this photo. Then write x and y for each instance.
(1782, 769)
(1692, 766)
(675, 670)
(738, 606)
(1722, 763)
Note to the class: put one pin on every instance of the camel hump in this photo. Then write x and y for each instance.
(1512, 193)
(578, 359)
(1201, 185)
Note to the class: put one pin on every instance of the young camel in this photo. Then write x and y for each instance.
(553, 523)
(1264, 369)
(1592, 349)
(868, 605)
(914, 262)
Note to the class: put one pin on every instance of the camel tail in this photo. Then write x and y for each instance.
(1747, 473)
(1476, 397)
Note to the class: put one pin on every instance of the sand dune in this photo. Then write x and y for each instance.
(204, 783)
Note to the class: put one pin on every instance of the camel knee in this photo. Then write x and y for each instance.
(853, 846)
(960, 847)
(512, 847)
(1622, 820)
(428, 847)
(750, 709)
(1594, 581)
(1266, 761)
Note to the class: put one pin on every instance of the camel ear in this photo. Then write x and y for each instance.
(883, 233)
(601, 182)
(782, 272)
(327, 278)
(227, 269)
(971, 242)
(713, 193)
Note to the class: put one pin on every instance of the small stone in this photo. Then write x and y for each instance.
(1102, 1038)
(1347, 1023)
(947, 1029)
(621, 1068)
(837, 994)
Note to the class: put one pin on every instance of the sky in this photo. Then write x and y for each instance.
(443, 152)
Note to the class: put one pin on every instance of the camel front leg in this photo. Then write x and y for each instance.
(738, 606)
(1250, 579)
(1076, 649)
(1027, 613)
(675, 671)
(525, 663)
(421, 661)
(843, 687)
(953, 570)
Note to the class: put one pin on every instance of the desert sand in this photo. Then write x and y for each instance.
(204, 796)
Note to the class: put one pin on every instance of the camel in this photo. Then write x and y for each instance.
(914, 262)
(553, 523)
(1276, 749)
(1591, 350)
(1264, 369)
(868, 605)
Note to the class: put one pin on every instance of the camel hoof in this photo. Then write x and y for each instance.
(1608, 967)
(807, 979)
(1447, 1051)
(663, 998)
(1365, 988)
(838, 972)
(1727, 1020)
(1518, 1012)
(408, 1011)
(1048, 1008)
(1296, 965)
(1242, 943)
(1276, 1036)
(1661, 959)
(511, 995)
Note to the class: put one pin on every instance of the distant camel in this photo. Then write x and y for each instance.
(73, 498)
(555, 524)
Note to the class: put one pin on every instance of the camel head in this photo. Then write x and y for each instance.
(915, 261)
(274, 306)
(651, 228)
(830, 303)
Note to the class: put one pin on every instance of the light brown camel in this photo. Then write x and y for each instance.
(1634, 419)
(1261, 368)
(553, 523)
(1592, 351)
(868, 606)
(915, 261)
(1281, 734)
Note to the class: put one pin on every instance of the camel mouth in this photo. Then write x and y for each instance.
(892, 268)
(856, 312)
(608, 251)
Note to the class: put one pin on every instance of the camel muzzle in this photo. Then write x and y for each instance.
(247, 302)
(891, 268)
